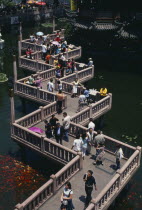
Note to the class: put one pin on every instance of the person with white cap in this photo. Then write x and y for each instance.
(90, 63)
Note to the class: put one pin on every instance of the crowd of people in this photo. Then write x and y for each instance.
(84, 143)
(37, 82)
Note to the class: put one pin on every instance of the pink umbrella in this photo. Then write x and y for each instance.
(55, 42)
(40, 3)
(36, 130)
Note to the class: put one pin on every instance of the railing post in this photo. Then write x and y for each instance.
(91, 113)
(80, 51)
(42, 112)
(110, 105)
(76, 74)
(56, 83)
(37, 56)
(18, 207)
(37, 65)
(19, 48)
(63, 33)
(81, 160)
(53, 177)
(120, 178)
(35, 47)
(14, 71)
(65, 101)
(93, 70)
(42, 143)
(11, 95)
(38, 92)
(139, 159)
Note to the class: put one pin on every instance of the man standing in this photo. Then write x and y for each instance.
(60, 98)
(91, 136)
(91, 124)
(119, 155)
(77, 144)
(58, 132)
(99, 140)
(53, 121)
(81, 101)
(66, 125)
(44, 51)
(50, 85)
(89, 182)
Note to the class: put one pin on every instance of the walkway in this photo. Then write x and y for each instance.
(103, 174)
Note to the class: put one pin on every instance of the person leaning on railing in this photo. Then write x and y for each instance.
(103, 92)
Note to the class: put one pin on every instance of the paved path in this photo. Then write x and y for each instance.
(103, 174)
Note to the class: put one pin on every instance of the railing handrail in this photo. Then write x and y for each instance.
(47, 184)
(28, 115)
(68, 165)
(61, 146)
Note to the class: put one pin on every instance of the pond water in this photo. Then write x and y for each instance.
(122, 122)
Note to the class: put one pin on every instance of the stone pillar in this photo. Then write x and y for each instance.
(42, 113)
(11, 95)
(139, 149)
(14, 68)
(53, 23)
(53, 177)
(19, 48)
(20, 30)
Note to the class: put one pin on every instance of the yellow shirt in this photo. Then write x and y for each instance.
(103, 92)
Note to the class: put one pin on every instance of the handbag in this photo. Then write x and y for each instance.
(65, 202)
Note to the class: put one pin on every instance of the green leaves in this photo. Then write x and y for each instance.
(130, 138)
(3, 77)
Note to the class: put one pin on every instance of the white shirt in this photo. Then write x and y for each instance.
(91, 125)
(63, 58)
(67, 192)
(50, 86)
(82, 98)
(90, 136)
(77, 145)
(66, 122)
(44, 48)
(119, 154)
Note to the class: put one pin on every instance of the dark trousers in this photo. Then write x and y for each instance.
(48, 134)
(44, 55)
(59, 107)
(59, 139)
(117, 163)
(88, 191)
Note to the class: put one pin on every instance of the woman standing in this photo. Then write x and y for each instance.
(75, 87)
(66, 197)
(84, 144)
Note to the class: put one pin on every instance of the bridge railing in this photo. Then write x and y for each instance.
(110, 143)
(33, 65)
(93, 111)
(50, 187)
(82, 75)
(74, 53)
(34, 93)
(40, 114)
(117, 183)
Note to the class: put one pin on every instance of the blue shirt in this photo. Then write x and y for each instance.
(58, 131)
(86, 93)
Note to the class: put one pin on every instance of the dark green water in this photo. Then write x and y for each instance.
(123, 119)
